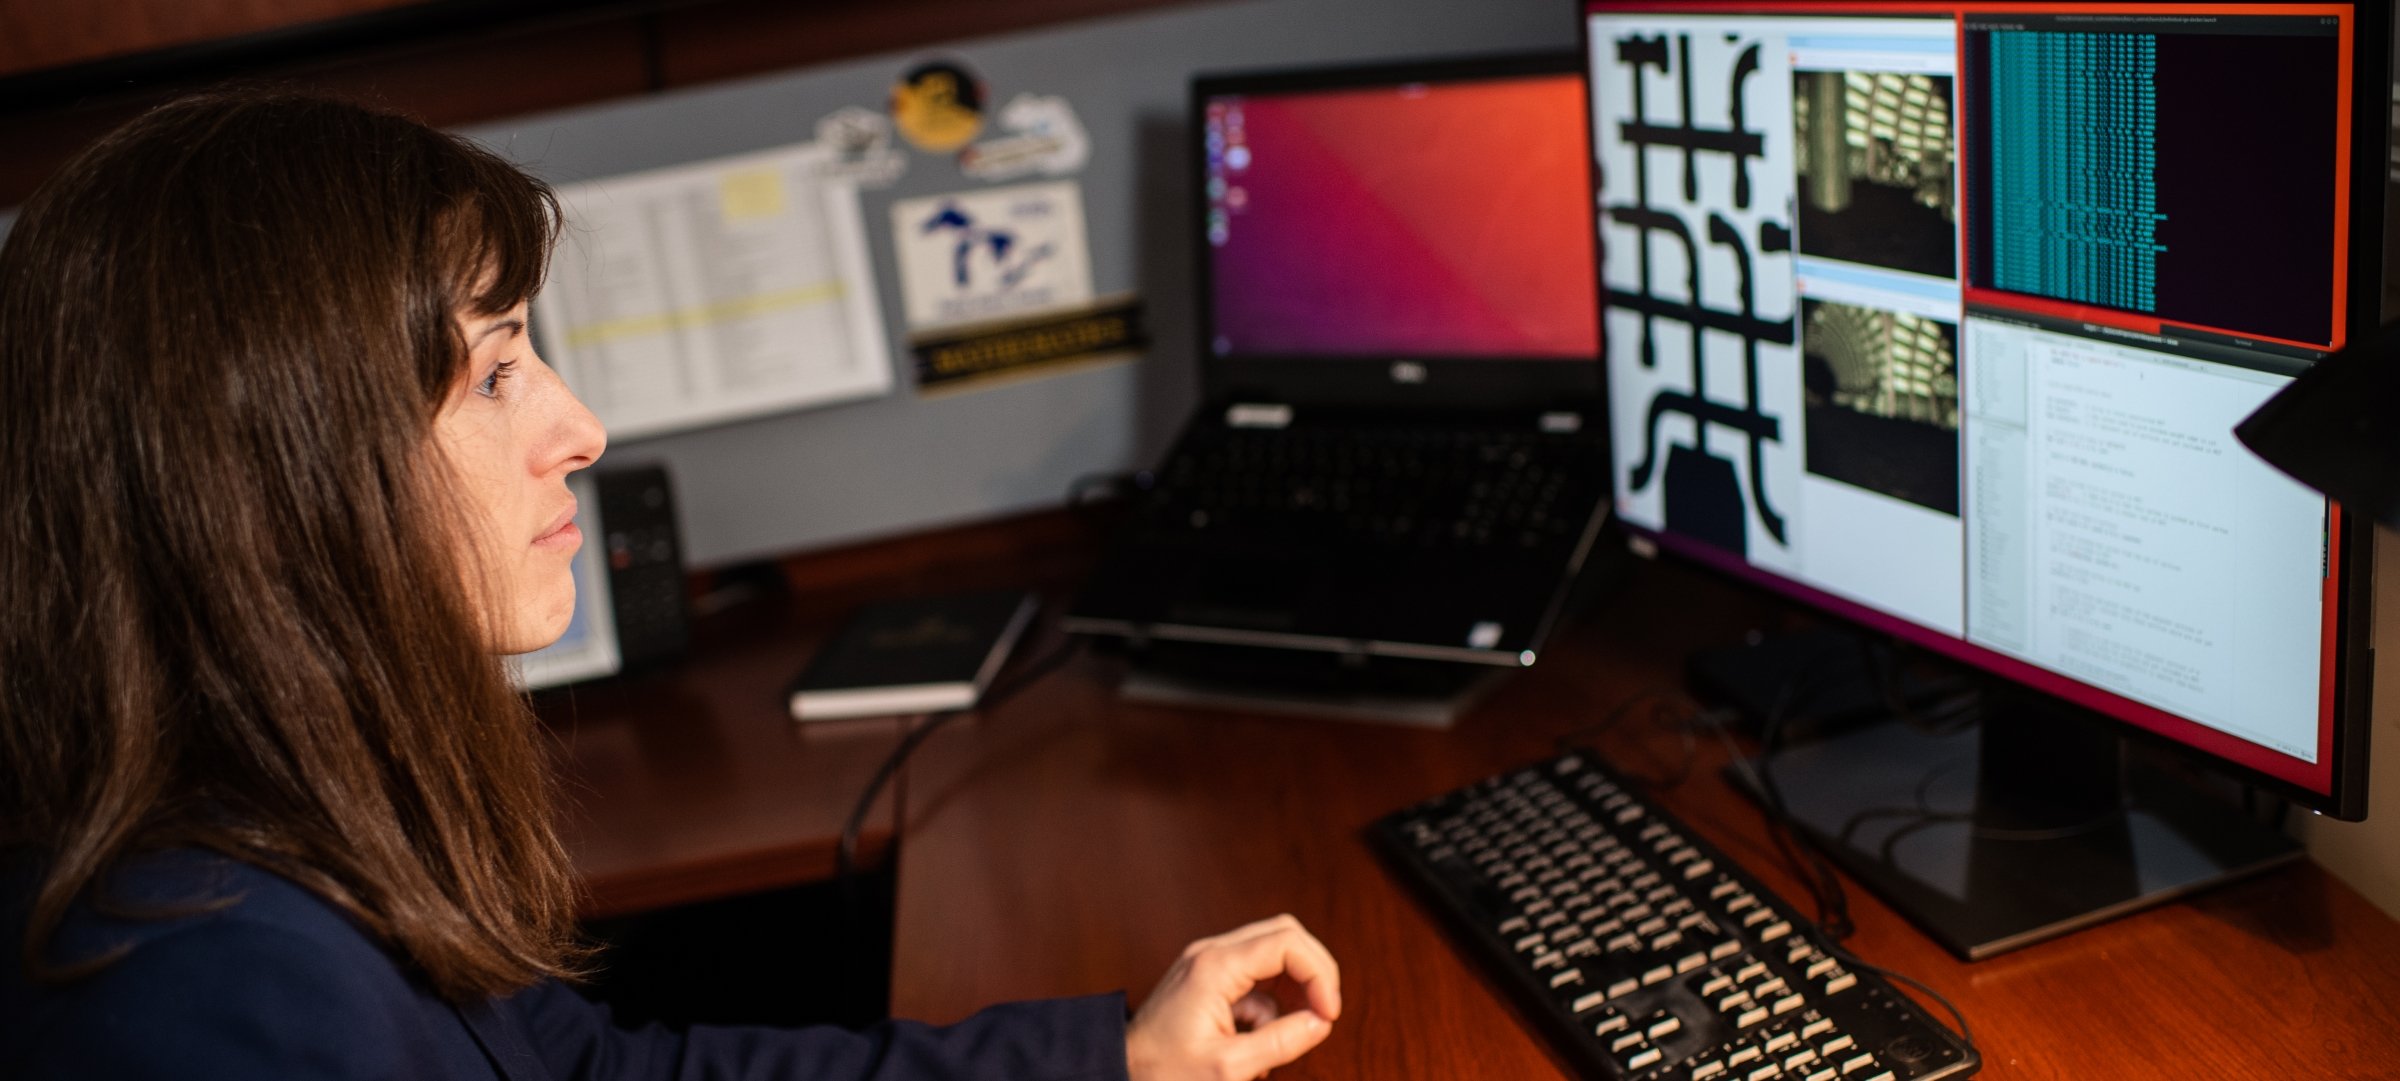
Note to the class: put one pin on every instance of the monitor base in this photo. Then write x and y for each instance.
(2020, 829)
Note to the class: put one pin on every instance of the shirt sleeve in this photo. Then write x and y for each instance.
(195, 1007)
(1070, 1039)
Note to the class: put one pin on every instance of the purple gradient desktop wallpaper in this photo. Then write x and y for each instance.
(1435, 220)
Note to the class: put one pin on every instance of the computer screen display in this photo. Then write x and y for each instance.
(1941, 316)
(1440, 219)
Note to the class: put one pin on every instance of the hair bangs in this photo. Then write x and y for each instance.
(498, 236)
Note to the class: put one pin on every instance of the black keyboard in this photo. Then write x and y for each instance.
(1392, 486)
(1640, 949)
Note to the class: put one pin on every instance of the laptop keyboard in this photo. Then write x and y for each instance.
(1391, 487)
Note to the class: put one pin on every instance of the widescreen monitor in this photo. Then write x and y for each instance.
(1940, 316)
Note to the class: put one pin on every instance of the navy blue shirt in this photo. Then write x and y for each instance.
(279, 984)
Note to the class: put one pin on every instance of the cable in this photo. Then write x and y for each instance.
(1966, 1032)
(1670, 710)
(1825, 887)
(1955, 712)
(846, 854)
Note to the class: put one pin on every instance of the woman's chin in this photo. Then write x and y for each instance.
(537, 629)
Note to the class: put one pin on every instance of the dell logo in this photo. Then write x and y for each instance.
(1407, 371)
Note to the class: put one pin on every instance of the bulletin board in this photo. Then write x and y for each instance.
(905, 460)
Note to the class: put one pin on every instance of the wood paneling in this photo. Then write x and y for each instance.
(39, 34)
(744, 37)
(457, 80)
(529, 57)
(469, 80)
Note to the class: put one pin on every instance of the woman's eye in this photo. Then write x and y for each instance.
(490, 387)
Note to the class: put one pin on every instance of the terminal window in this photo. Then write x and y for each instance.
(2180, 167)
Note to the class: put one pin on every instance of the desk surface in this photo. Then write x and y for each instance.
(1069, 842)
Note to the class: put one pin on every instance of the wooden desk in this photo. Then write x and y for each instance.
(692, 783)
(1069, 842)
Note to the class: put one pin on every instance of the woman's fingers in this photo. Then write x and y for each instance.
(1288, 951)
(1275, 1043)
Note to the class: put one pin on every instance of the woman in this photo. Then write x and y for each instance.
(284, 479)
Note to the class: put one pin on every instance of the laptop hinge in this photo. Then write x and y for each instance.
(1258, 415)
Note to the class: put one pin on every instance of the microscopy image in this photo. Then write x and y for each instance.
(1876, 155)
(1882, 401)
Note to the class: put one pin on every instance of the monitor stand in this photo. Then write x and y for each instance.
(1818, 679)
(1385, 690)
(2028, 825)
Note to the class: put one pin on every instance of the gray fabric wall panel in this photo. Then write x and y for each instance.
(848, 472)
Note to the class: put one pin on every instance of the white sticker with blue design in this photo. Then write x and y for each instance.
(995, 253)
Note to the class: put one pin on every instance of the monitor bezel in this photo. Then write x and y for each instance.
(2354, 546)
(1378, 380)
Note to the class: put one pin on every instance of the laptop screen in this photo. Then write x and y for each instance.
(1441, 219)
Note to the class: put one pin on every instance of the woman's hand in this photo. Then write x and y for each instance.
(1216, 1015)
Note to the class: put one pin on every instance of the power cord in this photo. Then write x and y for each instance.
(1671, 711)
(1824, 886)
(1082, 492)
(846, 854)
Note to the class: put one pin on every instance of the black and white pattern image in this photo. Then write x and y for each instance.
(1882, 394)
(1692, 130)
(1877, 154)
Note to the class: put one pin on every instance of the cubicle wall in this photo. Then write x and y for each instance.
(902, 462)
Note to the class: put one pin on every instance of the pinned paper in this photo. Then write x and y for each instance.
(707, 292)
(860, 147)
(1041, 135)
(750, 194)
(995, 253)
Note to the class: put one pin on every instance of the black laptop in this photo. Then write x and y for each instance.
(1401, 451)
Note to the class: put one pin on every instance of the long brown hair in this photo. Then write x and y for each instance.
(232, 607)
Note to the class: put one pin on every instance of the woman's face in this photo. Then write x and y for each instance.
(512, 432)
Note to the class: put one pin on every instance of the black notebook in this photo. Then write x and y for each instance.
(922, 655)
